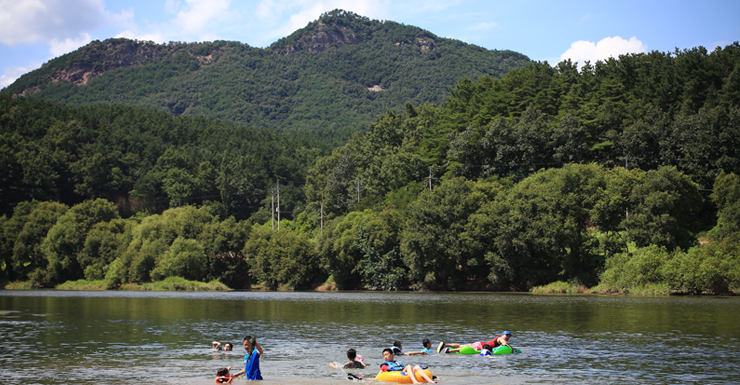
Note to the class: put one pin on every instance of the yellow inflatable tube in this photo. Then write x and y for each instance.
(396, 376)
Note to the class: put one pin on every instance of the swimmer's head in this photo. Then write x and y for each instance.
(351, 354)
(387, 354)
(222, 371)
(228, 346)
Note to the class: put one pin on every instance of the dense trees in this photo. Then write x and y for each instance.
(594, 177)
(435, 251)
(562, 224)
(144, 160)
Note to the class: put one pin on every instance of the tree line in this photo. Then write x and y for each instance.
(561, 224)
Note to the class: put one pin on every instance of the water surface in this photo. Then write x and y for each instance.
(55, 337)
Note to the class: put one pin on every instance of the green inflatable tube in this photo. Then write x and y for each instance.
(497, 351)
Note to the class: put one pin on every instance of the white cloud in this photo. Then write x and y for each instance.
(171, 6)
(156, 37)
(124, 19)
(60, 47)
(303, 12)
(427, 6)
(209, 37)
(31, 21)
(583, 50)
(267, 9)
(199, 14)
(190, 20)
(10, 74)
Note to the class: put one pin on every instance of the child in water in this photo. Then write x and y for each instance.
(355, 361)
(251, 359)
(397, 348)
(392, 365)
(485, 350)
(223, 376)
(226, 347)
(427, 346)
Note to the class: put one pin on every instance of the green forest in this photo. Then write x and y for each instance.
(617, 176)
(316, 79)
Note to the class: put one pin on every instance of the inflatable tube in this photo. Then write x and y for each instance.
(498, 351)
(468, 350)
(505, 350)
(396, 376)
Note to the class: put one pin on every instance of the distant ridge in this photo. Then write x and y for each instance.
(322, 76)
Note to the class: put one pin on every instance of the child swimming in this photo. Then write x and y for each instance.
(223, 376)
(354, 362)
(226, 346)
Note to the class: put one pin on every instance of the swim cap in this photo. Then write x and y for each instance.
(506, 332)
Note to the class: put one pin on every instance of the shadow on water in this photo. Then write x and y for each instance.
(55, 337)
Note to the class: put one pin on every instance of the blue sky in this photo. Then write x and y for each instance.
(34, 31)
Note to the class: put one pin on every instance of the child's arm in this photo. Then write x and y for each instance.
(239, 373)
(413, 353)
(333, 366)
(259, 348)
(216, 345)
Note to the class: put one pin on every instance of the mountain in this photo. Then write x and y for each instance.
(340, 72)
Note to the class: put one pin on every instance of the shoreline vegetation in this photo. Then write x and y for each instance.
(181, 284)
(168, 284)
(648, 289)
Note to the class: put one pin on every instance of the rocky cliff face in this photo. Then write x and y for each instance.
(326, 37)
(321, 36)
(339, 28)
(96, 58)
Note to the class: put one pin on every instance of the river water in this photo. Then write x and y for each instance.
(57, 337)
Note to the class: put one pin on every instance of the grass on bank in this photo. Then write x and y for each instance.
(18, 285)
(649, 289)
(168, 284)
(82, 285)
(559, 287)
(177, 284)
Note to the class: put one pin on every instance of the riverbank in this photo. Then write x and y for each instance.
(168, 284)
(649, 289)
(181, 284)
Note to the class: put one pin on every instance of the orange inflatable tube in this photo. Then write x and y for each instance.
(396, 376)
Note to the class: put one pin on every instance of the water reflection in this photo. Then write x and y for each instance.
(132, 337)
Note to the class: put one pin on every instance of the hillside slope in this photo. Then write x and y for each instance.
(339, 72)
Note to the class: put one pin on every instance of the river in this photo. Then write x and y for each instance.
(111, 337)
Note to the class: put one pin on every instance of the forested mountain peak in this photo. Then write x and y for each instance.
(332, 30)
(338, 28)
(320, 77)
